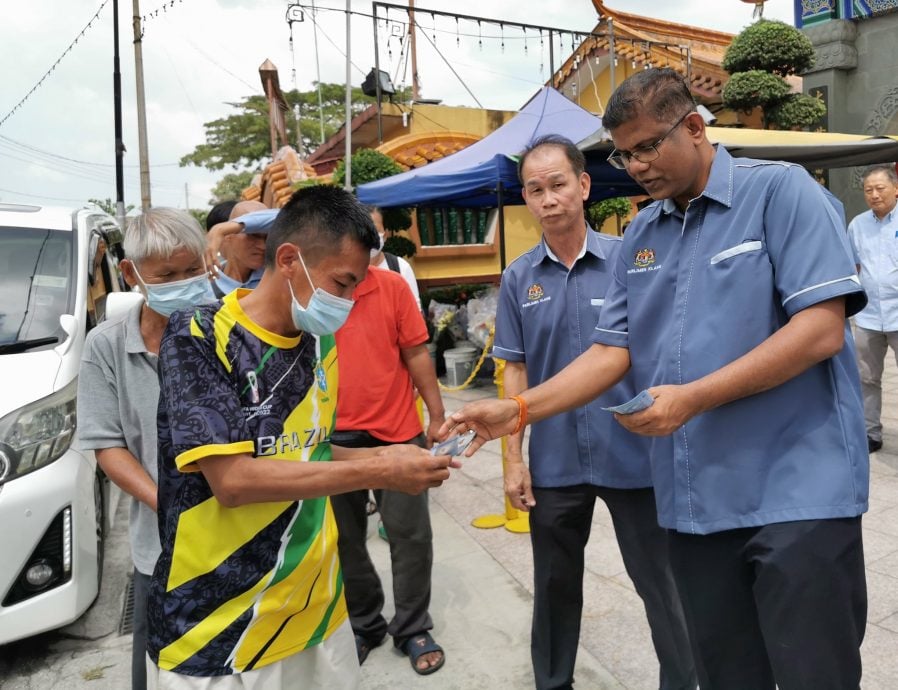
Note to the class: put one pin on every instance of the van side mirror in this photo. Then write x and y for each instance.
(69, 324)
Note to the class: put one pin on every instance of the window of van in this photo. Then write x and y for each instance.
(36, 287)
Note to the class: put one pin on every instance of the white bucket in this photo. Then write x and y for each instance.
(459, 362)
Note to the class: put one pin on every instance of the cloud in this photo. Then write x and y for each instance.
(202, 54)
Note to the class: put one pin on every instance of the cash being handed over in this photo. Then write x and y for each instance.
(640, 402)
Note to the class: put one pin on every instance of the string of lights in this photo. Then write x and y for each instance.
(152, 14)
(53, 67)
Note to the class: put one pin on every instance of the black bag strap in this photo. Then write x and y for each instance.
(392, 262)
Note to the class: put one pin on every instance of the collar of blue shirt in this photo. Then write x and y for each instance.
(719, 186)
(591, 244)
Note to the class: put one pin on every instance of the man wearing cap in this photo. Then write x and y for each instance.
(243, 247)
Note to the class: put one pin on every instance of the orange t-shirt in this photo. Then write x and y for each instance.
(375, 392)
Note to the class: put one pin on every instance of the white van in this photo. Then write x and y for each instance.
(57, 266)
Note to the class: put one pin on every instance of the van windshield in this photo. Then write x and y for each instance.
(36, 287)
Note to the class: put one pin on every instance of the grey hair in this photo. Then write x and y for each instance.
(161, 231)
(888, 169)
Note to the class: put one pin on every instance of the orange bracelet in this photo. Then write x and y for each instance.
(522, 413)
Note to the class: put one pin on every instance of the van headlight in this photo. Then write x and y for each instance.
(38, 433)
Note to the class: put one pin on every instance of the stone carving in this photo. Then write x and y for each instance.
(834, 42)
(836, 30)
(882, 115)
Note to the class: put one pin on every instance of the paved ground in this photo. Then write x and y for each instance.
(483, 594)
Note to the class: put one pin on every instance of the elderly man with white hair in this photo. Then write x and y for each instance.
(118, 387)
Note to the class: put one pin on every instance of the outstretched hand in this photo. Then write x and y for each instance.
(491, 419)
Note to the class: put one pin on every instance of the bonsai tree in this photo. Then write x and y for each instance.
(369, 165)
(601, 211)
(758, 61)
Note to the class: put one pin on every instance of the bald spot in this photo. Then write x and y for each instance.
(245, 207)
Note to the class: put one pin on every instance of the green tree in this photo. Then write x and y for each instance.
(369, 165)
(601, 211)
(108, 205)
(758, 59)
(242, 139)
(231, 186)
(199, 215)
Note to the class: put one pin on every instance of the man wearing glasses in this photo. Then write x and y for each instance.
(728, 305)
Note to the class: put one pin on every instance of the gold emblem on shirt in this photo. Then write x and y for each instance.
(644, 258)
(535, 292)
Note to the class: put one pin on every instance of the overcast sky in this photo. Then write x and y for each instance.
(200, 55)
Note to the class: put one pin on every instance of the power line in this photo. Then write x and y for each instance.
(42, 196)
(449, 65)
(53, 66)
(44, 152)
(330, 40)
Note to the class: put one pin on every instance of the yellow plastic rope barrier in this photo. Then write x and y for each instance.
(476, 368)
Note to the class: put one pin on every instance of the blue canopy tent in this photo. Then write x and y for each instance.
(485, 174)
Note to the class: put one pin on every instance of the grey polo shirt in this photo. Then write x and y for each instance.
(118, 391)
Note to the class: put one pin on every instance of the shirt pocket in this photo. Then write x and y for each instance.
(739, 249)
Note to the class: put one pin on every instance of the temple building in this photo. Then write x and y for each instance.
(856, 74)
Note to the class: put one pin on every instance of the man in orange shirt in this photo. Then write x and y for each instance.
(382, 355)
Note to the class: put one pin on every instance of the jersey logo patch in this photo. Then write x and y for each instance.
(644, 258)
(321, 376)
(535, 292)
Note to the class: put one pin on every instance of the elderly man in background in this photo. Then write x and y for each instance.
(874, 238)
(118, 387)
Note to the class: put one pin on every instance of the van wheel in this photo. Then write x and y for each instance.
(100, 517)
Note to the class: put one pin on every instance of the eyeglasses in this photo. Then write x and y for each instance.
(644, 154)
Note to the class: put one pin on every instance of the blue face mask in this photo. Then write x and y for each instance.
(167, 298)
(325, 312)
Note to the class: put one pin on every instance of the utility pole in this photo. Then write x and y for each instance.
(348, 126)
(186, 198)
(142, 149)
(117, 103)
(318, 74)
(411, 37)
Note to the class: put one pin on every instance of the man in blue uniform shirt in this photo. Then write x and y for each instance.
(549, 301)
(728, 303)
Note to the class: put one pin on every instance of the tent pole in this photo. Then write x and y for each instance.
(500, 197)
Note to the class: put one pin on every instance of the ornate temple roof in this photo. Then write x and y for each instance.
(641, 40)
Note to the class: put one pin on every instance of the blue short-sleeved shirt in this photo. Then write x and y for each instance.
(875, 242)
(693, 292)
(545, 319)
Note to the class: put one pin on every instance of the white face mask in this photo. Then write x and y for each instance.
(380, 246)
(324, 314)
(167, 298)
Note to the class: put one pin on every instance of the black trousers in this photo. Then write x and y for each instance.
(560, 524)
(406, 520)
(141, 588)
(780, 605)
